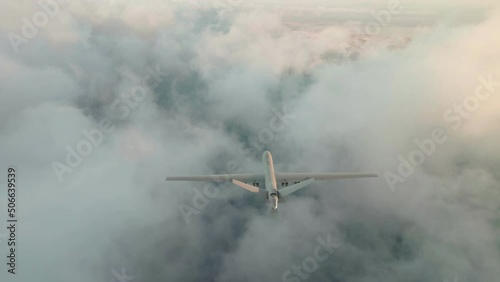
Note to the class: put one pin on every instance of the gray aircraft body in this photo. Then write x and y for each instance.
(289, 182)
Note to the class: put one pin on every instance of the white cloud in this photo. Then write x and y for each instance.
(220, 81)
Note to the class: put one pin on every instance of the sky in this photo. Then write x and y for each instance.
(101, 100)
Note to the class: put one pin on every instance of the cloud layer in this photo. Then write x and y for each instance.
(183, 88)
